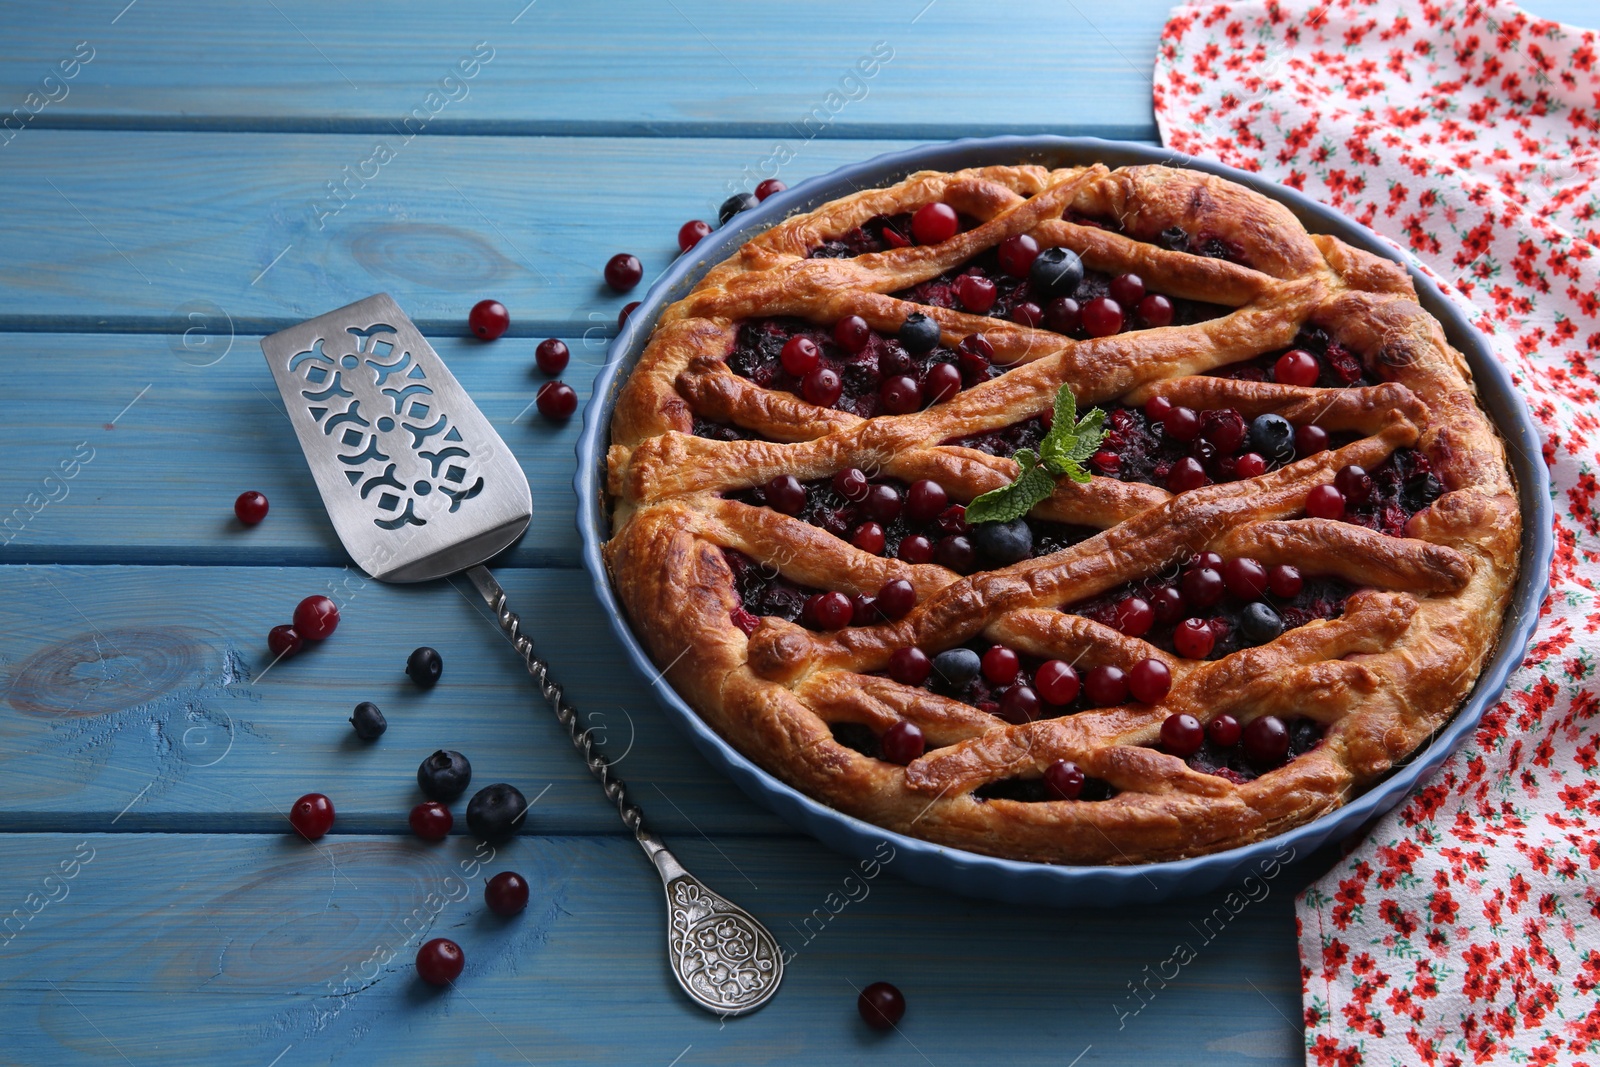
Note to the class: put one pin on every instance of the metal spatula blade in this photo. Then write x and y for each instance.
(416, 481)
(419, 486)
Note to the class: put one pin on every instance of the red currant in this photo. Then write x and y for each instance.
(1182, 735)
(1296, 367)
(821, 387)
(830, 611)
(1155, 311)
(1027, 314)
(431, 820)
(623, 271)
(852, 333)
(1063, 315)
(488, 319)
(1355, 483)
(1101, 317)
(1167, 603)
(1127, 289)
(556, 401)
(915, 549)
(506, 893)
(934, 223)
(851, 483)
(869, 537)
(1105, 686)
(552, 356)
(1309, 440)
(909, 666)
(1064, 780)
(1202, 587)
(1249, 465)
(799, 356)
(943, 381)
(316, 617)
(896, 599)
(312, 816)
(1000, 665)
(925, 499)
(1017, 255)
(1134, 617)
(900, 395)
(439, 962)
(1056, 681)
(1181, 423)
(1149, 681)
(1223, 731)
(1019, 704)
(785, 493)
(1157, 408)
(1187, 474)
(692, 233)
(250, 507)
(1193, 639)
(1246, 578)
(882, 503)
(1284, 580)
(976, 293)
(1325, 502)
(1266, 741)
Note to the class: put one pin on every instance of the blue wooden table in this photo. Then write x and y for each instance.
(183, 178)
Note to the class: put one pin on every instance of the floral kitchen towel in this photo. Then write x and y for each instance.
(1466, 928)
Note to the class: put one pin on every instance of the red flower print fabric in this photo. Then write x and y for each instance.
(1465, 929)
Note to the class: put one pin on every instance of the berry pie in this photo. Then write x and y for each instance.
(1087, 516)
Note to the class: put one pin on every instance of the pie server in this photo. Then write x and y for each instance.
(420, 486)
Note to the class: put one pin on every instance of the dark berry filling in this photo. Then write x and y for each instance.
(1231, 762)
(1402, 485)
(1007, 440)
(763, 591)
(878, 234)
(1337, 366)
(1033, 790)
(722, 431)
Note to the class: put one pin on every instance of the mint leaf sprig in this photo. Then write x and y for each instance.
(1061, 454)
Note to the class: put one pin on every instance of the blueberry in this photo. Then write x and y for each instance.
(1259, 623)
(1056, 272)
(495, 812)
(424, 666)
(368, 721)
(919, 333)
(1004, 543)
(444, 776)
(1273, 437)
(955, 669)
(734, 204)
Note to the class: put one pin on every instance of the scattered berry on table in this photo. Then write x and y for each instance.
(623, 271)
(769, 187)
(439, 962)
(902, 743)
(250, 507)
(934, 223)
(733, 205)
(881, 1006)
(552, 356)
(496, 812)
(424, 666)
(312, 816)
(284, 641)
(691, 233)
(369, 721)
(506, 893)
(444, 776)
(431, 820)
(316, 617)
(627, 309)
(488, 319)
(556, 401)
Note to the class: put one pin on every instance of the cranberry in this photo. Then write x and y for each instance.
(896, 599)
(769, 187)
(830, 611)
(1207, 559)
(851, 483)
(881, 1005)
(1353, 481)
(627, 309)
(1149, 681)
(1000, 665)
(1223, 731)
(1027, 314)
(1325, 502)
(1167, 603)
(957, 553)
(1224, 428)
(1249, 465)
(431, 820)
(1157, 408)
(909, 666)
(882, 503)
(1063, 315)
(1127, 289)
(934, 223)
(312, 816)
(976, 293)
(821, 387)
(925, 500)
(1284, 580)
(1296, 367)
(316, 617)
(1102, 317)
(852, 333)
(953, 520)
(488, 319)
(1182, 735)
(623, 271)
(915, 549)
(1056, 681)
(1181, 423)
(1106, 463)
(250, 507)
(943, 381)
(552, 356)
(506, 893)
(1202, 587)
(1064, 780)
(785, 493)
(1134, 616)
(556, 401)
(869, 537)
(284, 641)
(1193, 639)
(900, 395)
(691, 233)
(1309, 440)
(1246, 578)
(799, 356)
(439, 962)
(1155, 310)
(1019, 704)
(1266, 741)
(1105, 686)
(1017, 255)
(864, 608)
(1187, 474)
(978, 347)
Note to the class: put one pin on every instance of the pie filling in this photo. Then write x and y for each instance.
(1233, 763)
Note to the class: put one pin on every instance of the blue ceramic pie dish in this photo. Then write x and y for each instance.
(1039, 883)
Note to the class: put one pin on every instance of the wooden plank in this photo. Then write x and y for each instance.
(161, 475)
(242, 949)
(691, 68)
(139, 698)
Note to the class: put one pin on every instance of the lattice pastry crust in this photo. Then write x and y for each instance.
(1381, 678)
